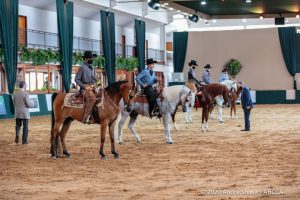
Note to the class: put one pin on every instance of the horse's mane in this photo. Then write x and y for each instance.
(115, 87)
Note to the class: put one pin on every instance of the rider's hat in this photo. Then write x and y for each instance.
(193, 62)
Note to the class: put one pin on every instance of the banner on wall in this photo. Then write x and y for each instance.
(36, 107)
(2, 106)
(49, 102)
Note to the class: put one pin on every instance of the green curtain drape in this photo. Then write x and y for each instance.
(140, 34)
(287, 37)
(180, 40)
(109, 44)
(9, 13)
(65, 32)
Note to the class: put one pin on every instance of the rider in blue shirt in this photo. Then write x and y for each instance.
(146, 79)
(206, 75)
(224, 76)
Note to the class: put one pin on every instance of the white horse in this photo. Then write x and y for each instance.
(172, 97)
(231, 85)
(188, 113)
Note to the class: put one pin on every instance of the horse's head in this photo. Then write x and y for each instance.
(227, 98)
(187, 98)
(128, 93)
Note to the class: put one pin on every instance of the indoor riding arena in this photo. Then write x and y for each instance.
(193, 60)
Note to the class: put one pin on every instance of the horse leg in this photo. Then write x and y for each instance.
(130, 125)
(234, 109)
(174, 121)
(190, 114)
(166, 120)
(186, 115)
(204, 112)
(231, 109)
(62, 134)
(112, 139)
(220, 116)
(53, 140)
(206, 118)
(124, 116)
(102, 138)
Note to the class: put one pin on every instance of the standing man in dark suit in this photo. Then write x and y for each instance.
(22, 103)
(247, 104)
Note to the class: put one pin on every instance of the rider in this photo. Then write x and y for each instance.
(206, 74)
(85, 78)
(192, 80)
(224, 76)
(146, 79)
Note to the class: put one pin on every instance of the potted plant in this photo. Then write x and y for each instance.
(99, 62)
(121, 68)
(233, 67)
(77, 58)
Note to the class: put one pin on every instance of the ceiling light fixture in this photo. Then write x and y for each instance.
(203, 2)
(166, 3)
(194, 18)
(214, 21)
(261, 17)
(154, 4)
(171, 8)
(248, 1)
(297, 16)
(244, 20)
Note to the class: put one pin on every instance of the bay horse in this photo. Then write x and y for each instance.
(107, 114)
(173, 96)
(206, 97)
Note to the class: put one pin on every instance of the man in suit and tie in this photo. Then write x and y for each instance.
(146, 79)
(247, 104)
(22, 104)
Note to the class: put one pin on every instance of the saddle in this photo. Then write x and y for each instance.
(140, 97)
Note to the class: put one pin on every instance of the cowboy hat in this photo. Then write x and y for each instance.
(193, 62)
(207, 66)
(89, 54)
(150, 61)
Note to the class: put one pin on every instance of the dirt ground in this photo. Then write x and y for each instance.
(224, 163)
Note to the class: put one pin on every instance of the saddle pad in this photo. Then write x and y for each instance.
(73, 100)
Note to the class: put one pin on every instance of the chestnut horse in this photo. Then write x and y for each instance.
(206, 97)
(107, 114)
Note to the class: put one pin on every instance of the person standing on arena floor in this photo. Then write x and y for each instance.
(247, 104)
(206, 74)
(224, 76)
(22, 115)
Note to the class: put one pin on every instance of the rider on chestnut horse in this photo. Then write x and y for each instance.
(85, 78)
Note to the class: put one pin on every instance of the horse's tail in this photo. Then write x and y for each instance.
(52, 112)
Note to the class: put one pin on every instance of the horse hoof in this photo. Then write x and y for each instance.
(139, 142)
(121, 143)
(103, 158)
(53, 157)
(116, 156)
(169, 142)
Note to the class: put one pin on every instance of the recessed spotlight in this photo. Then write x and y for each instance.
(248, 1)
(297, 16)
(261, 17)
(214, 21)
(166, 4)
(171, 8)
(203, 2)
(244, 20)
(178, 11)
